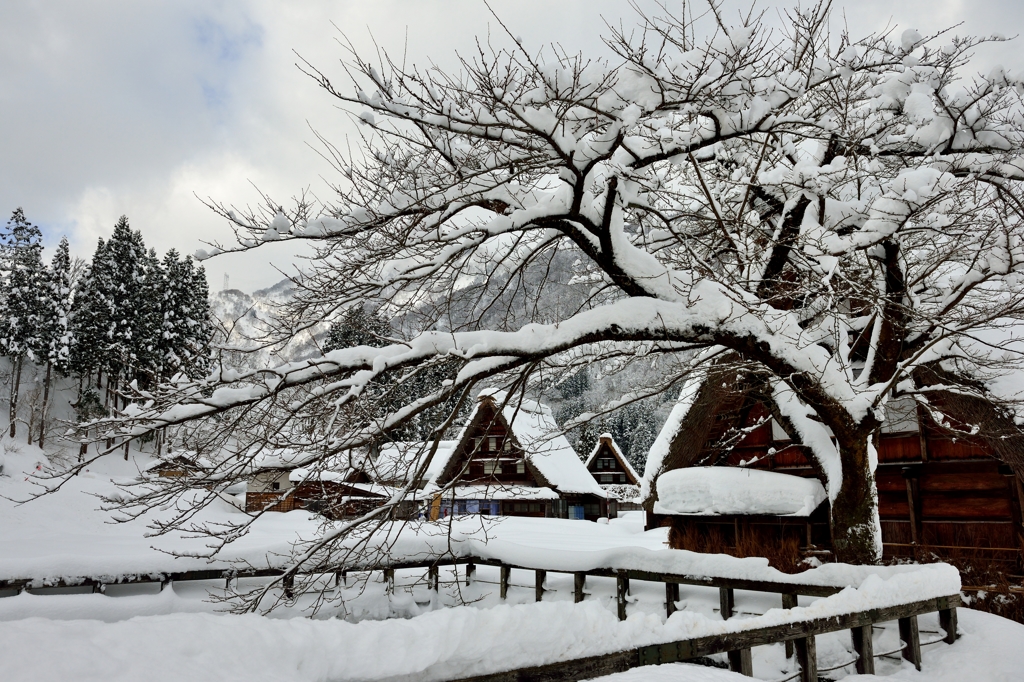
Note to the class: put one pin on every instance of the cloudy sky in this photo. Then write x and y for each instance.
(111, 107)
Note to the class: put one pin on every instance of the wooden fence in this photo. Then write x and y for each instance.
(797, 636)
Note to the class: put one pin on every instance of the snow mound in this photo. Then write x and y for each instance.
(731, 490)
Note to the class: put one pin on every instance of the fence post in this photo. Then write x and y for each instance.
(947, 621)
(579, 581)
(865, 649)
(538, 584)
(505, 572)
(911, 640)
(288, 584)
(671, 597)
(807, 657)
(621, 588)
(789, 601)
(727, 602)
(470, 570)
(740, 662)
(433, 577)
(389, 581)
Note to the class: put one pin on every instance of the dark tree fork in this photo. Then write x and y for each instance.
(822, 219)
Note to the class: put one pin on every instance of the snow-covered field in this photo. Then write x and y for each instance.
(363, 633)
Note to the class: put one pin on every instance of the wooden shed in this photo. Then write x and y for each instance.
(939, 493)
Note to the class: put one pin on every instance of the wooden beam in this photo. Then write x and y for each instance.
(671, 597)
(911, 638)
(538, 584)
(621, 588)
(505, 572)
(579, 580)
(864, 646)
(470, 570)
(915, 538)
(807, 657)
(727, 602)
(740, 662)
(947, 621)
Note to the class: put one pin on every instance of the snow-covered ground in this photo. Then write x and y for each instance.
(443, 644)
(363, 633)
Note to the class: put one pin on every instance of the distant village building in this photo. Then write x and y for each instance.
(939, 492)
(614, 473)
(176, 465)
(280, 485)
(508, 460)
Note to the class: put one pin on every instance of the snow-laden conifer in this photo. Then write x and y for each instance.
(23, 300)
(55, 340)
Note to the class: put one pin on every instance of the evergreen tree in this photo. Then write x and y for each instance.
(22, 308)
(54, 332)
(187, 329)
(127, 257)
(199, 322)
(90, 317)
(148, 314)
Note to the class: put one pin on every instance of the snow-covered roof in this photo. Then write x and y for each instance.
(546, 448)
(180, 459)
(398, 461)
(660, 448)
(498, 492)
(306, 476)
(709, 491)
(291, 458)
(607, 437)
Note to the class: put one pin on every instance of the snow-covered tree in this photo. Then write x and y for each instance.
(90, 317)
(834, 214)
(23, 300)
(186, 330)
(54, 324)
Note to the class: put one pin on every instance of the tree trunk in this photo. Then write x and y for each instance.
(856, 534)
(15, 387)
(46, 404)
(110, 400)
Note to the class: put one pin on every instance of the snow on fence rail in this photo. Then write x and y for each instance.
(737, 643)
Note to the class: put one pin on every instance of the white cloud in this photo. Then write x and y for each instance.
(127, 107)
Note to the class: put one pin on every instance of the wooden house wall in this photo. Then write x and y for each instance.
(947, 495)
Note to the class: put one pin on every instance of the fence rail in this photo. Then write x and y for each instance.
(737, 645)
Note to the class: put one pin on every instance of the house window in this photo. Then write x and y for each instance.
(276, 485)
(576, 512)
(492, 443)
(606, 478)
(491, 468)
(477, 443)
(521, 467)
